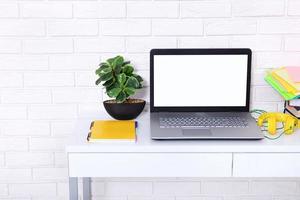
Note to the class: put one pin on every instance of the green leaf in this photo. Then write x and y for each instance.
(128, 69)
(102, 67)
(114, 85)
(106, 74)
(121, 97)
(118, 61)
(106, 77)
(109, 82)
(98, 81)
(132, 82)
(103, 63)
(114, 92)
(126, 63)
(138, 77)
(118, 69)
(105, 71)
(129, 91)
(98, 71)
(110, 60)
(121, 78)
(109, 95)
(117, 64)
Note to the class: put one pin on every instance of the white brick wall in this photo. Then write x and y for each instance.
(180, 27)
(125, 27)
(73, 28)
(258, 8)
(145, 44)
(135, 188)
(22, 62)
(8, 45)
(293, 8)
(36, 189)
(39, 46)
(152, 9)
(49, 50)
(22, 27)
(225, 187)
(9, 10)
(46, 10)
(27, 96)
(11, 79)
(99, 45)
(176, 188)
(95, 10)
(279, 26)
(230, 27)
(25, 128)
(50, 79)
(206, 9)
(74, 62)
(28, 159)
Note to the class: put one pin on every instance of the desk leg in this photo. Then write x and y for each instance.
(73, 188)
(86, 188)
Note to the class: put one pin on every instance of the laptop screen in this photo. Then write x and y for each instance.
(200, 80)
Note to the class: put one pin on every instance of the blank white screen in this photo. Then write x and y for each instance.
(200, 80)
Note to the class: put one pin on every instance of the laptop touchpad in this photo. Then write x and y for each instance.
(194, 132)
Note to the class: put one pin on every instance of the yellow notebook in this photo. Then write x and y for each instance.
(112, 130)
(283, 78)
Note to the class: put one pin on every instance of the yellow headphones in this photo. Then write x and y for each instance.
(289, 122)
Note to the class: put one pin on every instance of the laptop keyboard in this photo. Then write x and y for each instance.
(181, 122)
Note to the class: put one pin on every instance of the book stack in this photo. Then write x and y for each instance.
(286, 81)
(293, 107)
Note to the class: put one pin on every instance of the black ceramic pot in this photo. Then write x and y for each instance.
(124, 111)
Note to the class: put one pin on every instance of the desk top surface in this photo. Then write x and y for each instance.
(144, 144)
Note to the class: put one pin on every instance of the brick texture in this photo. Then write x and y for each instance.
(50, 49)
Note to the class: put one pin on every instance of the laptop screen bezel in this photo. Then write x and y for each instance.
(241, 51)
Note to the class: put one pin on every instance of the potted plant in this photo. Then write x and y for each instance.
(120, 82)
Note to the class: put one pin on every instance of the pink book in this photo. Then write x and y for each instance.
(294, 73)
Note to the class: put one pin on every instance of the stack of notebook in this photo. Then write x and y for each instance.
(112, 131)
(286, 81)
(293, 107)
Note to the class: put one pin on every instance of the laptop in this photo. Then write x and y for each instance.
(201, 94)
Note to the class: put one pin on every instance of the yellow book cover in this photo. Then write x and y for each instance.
(283, 78)
(112, 130)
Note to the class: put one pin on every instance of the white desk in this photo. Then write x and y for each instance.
(195, 158)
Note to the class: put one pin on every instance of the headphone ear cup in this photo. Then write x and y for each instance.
(262, 118)
(289, 125)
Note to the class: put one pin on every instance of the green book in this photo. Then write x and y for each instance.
(285, 94)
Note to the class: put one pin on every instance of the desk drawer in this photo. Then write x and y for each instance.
(150, 164)
(266, 165)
